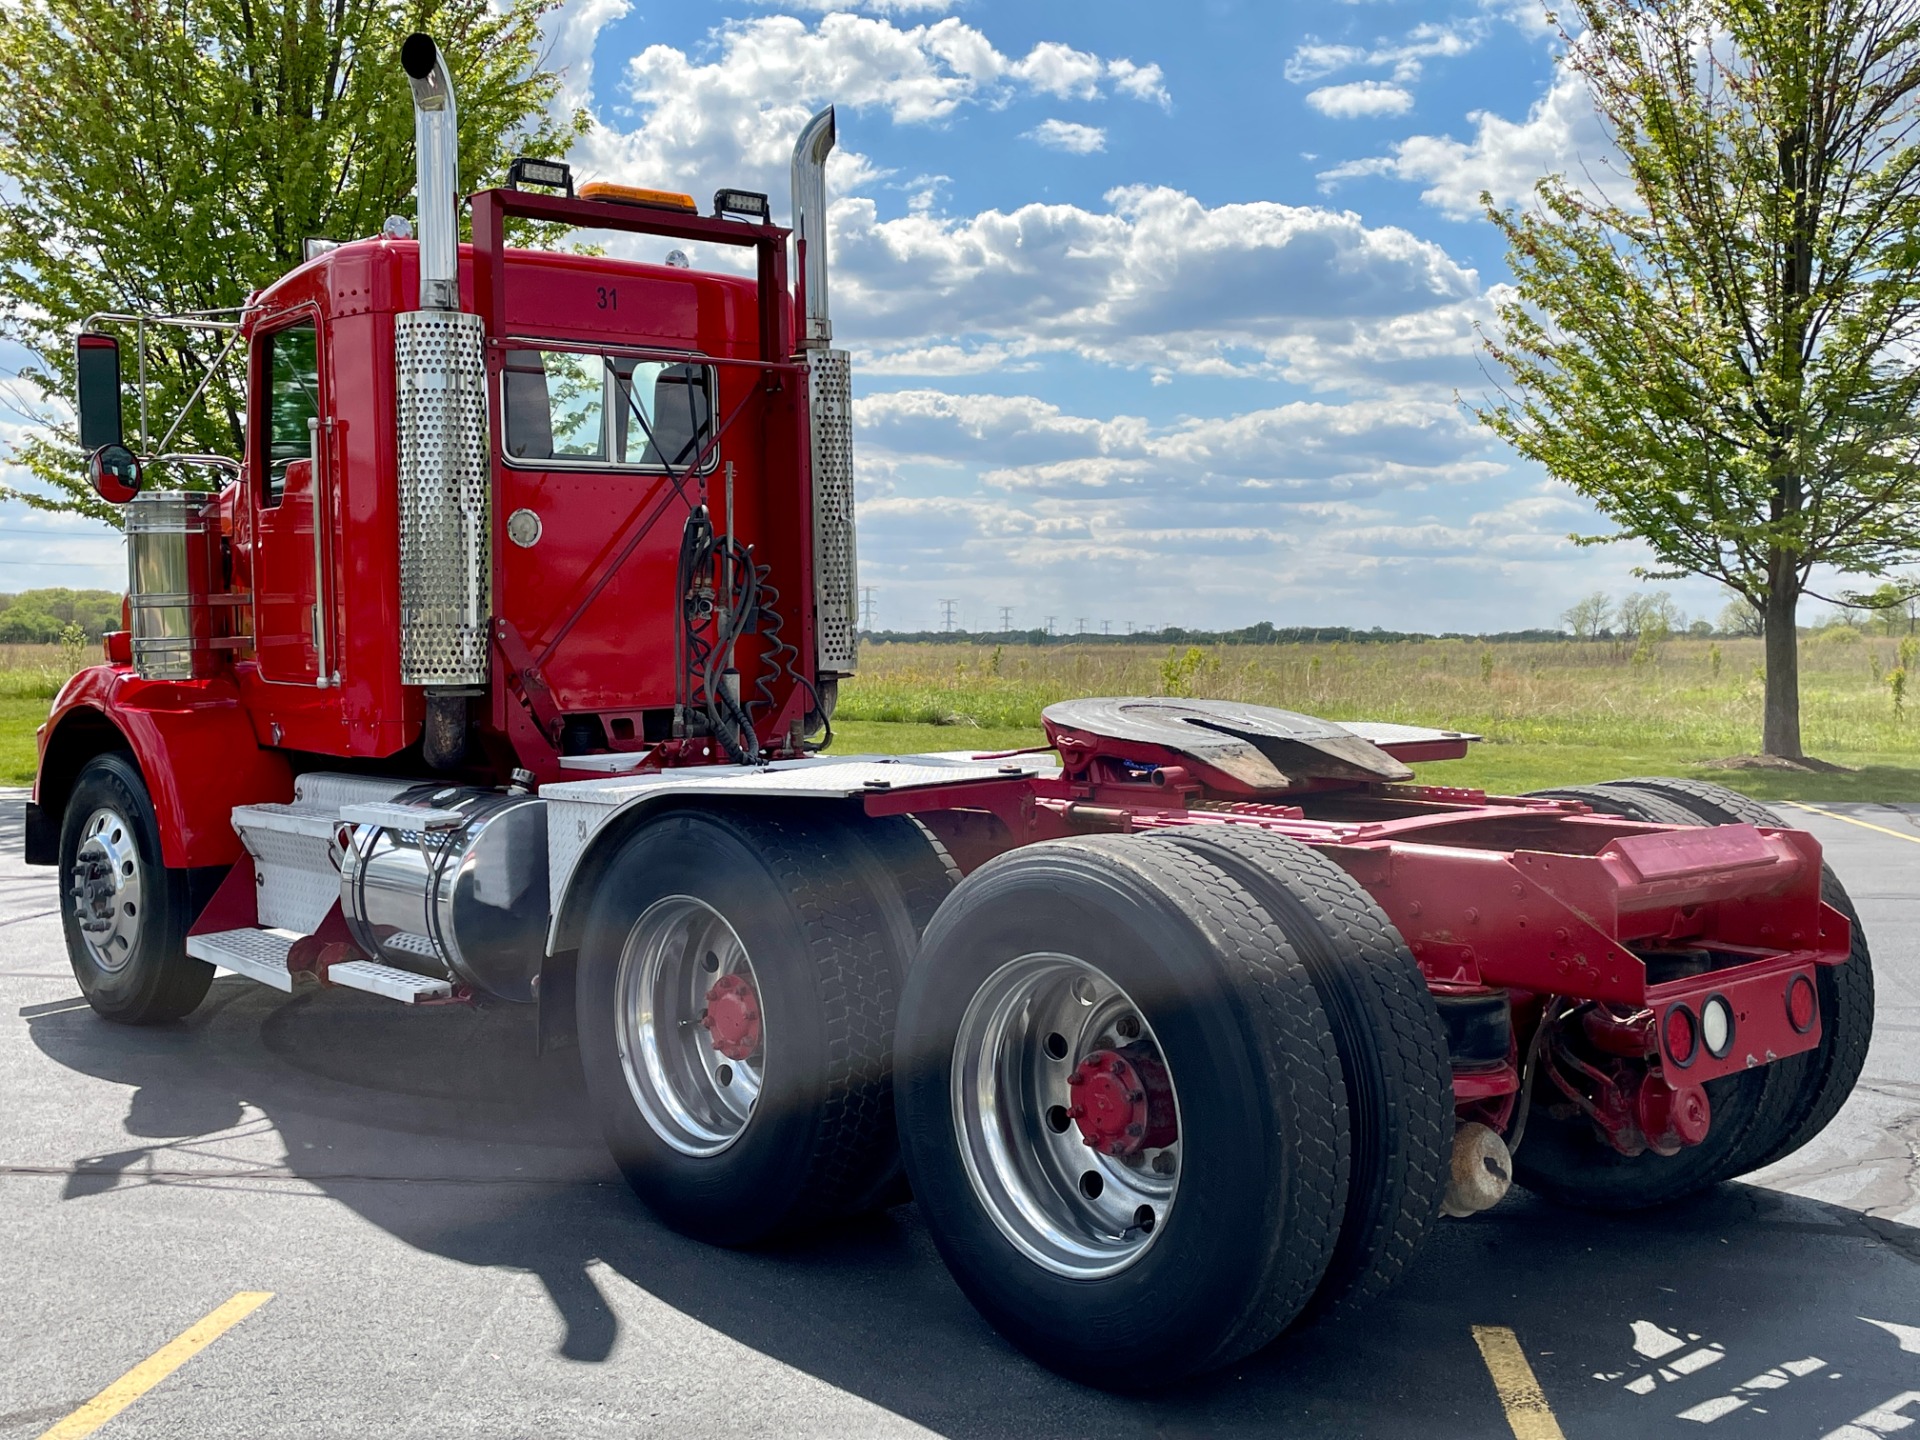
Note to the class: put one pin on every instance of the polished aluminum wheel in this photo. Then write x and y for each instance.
(105, 888)
(689, 1025)
(1066, 1115)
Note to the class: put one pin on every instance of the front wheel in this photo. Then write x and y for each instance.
(1122, 1109)
(125, 913)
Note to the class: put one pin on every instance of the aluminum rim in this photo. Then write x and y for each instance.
(695, 1098)
(1067, 1207)
(106, 889)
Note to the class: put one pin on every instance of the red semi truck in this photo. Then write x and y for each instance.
(501, 666)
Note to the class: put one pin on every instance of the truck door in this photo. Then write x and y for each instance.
(289, 528)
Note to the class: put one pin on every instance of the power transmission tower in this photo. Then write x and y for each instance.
(946, 615)
(1006, 619)
(1129, 627)
(1106, 627)
(867, 606)
(1080, 624)
(1050, 620)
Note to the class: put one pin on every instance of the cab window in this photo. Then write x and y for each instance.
(290, 364)
(568, 409)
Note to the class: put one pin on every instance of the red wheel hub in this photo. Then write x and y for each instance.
(1122, 1101)
(733, 1016)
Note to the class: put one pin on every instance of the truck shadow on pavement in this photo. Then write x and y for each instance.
(445, 1129)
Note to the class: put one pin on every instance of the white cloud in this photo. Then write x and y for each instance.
(1561, 134)
(1159, 281)
(731, 116)
(1361, 97)
(1404, 58)
(1247, 464)
(877, 7)
(1066, 135)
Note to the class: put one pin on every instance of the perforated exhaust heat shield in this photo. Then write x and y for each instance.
(445, 521)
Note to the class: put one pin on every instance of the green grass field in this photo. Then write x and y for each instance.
(1552, 714)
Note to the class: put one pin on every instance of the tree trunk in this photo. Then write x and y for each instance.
(1780, 730)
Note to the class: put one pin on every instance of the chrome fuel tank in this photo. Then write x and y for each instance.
(452, 881)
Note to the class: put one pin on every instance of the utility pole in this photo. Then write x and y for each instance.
(1006, 619)
(946, 615)
(867, 607)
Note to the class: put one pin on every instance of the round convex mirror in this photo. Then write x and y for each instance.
(115, 473)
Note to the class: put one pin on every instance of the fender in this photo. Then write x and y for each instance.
(194, 746)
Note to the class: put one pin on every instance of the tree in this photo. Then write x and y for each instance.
(1644, 615)
(1587, 618)
(1721, 363)
(1742, 617)
(173, 158)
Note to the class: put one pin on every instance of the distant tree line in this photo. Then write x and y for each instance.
(43, 617)
(1263, 633)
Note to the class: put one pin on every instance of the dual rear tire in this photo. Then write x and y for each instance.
(1158, 1097)
(1759, 1116)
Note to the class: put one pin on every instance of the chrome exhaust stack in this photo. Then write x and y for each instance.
(446, 535)
(836, 584)
(809, 178)
(436, 143)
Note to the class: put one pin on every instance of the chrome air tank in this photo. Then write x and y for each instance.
(447, 880)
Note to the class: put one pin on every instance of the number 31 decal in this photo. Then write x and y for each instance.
(609, 298)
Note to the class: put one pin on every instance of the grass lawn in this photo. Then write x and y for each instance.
(1552, 714)
(1497, 769)
(19, 718)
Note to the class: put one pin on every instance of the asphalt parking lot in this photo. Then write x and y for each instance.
(449, 1253)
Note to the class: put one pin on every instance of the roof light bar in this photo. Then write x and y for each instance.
(638, 195)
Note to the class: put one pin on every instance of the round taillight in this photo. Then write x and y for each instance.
(1802, 1004)
(1682, 1036)
(1716, 1026)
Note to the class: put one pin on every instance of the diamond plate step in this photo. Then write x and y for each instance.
(385, 980)
(257, 954)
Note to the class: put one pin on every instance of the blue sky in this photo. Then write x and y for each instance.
(1159, 313)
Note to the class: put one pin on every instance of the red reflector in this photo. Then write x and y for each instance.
(1802, 1005)
(1682, 1035)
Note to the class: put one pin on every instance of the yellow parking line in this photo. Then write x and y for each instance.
(1520, 1394)
(157, 1366)
(1849, 820)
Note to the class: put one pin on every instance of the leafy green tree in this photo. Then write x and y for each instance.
(1720, 360)
(1646, 615)
(1587, 617)
(174, 157)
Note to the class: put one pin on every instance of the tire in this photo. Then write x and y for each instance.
(787, 899)
(1824, 1078)
(1567, 1162)
(1190, 966)
(137, 972)
(912, 874)
(1391, 1042)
